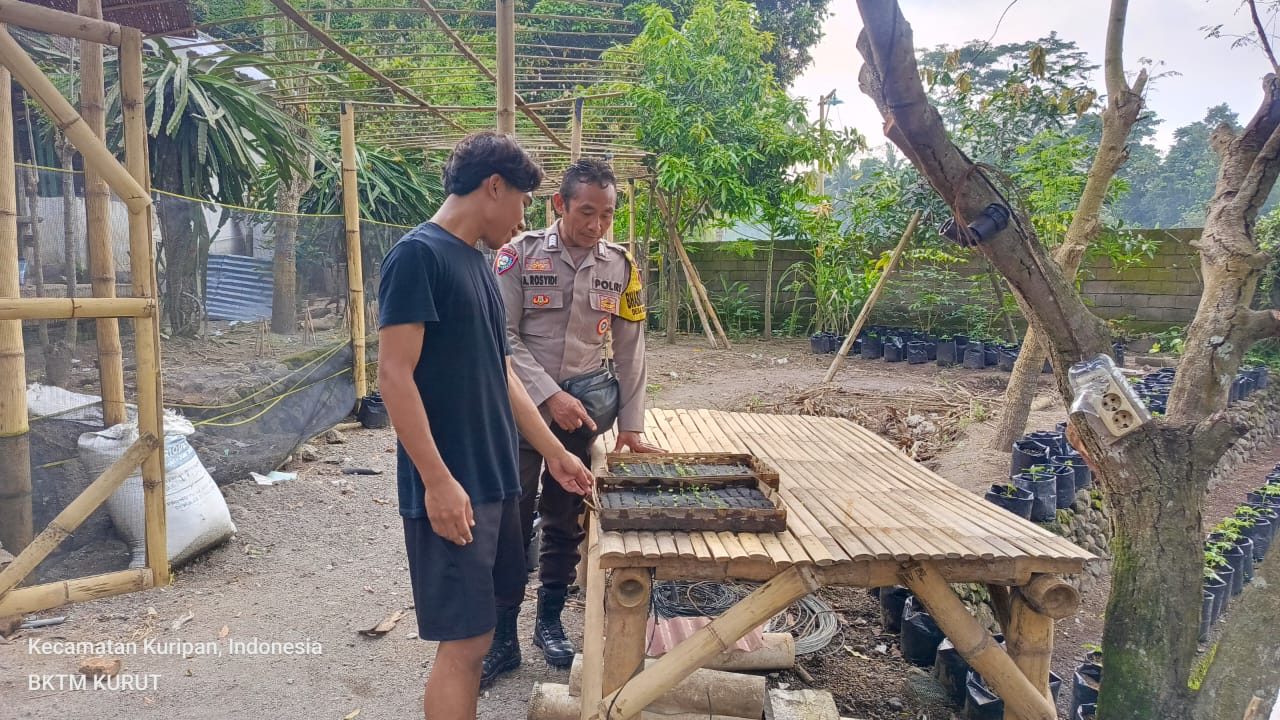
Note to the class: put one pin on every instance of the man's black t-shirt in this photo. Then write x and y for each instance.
(434, 278)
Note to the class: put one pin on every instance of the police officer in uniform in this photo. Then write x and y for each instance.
(565, 289)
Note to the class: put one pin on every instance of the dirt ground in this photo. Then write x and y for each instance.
(320, 558)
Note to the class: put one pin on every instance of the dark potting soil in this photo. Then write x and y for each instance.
(745, 498)
(677, 470)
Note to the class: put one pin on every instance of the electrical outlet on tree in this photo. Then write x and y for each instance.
(1103, 395)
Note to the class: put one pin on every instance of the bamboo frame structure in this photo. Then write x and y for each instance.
(130, 182)
(57, 22)
(15, 436)
(506, 80)
(76, 512)
(142, 253)
(355, 265)
(838, 360)
(80, 307)
(97, 203)
(626, 616)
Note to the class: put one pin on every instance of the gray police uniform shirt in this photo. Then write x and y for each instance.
(559, 312)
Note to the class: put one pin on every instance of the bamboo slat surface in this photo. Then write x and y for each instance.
(852, 499)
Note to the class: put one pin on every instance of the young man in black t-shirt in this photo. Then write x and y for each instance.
(446, 378)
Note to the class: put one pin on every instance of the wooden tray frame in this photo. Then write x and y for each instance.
(693, 519)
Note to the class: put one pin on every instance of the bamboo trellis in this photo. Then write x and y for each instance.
(423, 73)
(131, 183)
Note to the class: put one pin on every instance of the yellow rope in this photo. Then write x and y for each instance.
(314, 361)
(224, 205)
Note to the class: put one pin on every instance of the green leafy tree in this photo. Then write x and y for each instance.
(211, 128)
(714, 116)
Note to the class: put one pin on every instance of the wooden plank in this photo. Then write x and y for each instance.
(612, 544)
(631, 540)
(700, 550)
(684, 546)
(649, 545)
(667, 543)
(732, 546)
(772, 543)
(717, 548)
(753, 545)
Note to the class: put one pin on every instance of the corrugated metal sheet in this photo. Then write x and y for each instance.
(240, 288)
(670, 632)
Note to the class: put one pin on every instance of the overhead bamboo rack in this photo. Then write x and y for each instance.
(421, 74)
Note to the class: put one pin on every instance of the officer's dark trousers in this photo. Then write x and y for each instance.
(559, 508)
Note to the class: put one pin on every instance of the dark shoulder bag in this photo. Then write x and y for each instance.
(599, 393)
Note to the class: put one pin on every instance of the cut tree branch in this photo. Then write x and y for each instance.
(1262, 36)
(892, 79)
(1261, 325)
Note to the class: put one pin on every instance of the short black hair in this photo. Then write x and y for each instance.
(586, 170)
(483, 154)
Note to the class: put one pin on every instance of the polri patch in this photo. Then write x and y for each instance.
(603, 327)
(505, 261)
(541, 300)
(537, 264)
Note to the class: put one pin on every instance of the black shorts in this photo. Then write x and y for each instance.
(457, 588)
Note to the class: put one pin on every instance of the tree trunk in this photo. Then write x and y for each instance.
(768, 290)
(1123, 107)
(1155, 477)
(1154, 491)
(673, 280)
(181, 227)
(32, 186)
(284, 266)
(70, 239)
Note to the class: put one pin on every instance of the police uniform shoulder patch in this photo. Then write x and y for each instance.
(506, 260)
(632, 306)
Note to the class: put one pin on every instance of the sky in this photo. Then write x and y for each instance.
(1165, 31)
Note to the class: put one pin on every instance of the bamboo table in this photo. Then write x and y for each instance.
(860, 513)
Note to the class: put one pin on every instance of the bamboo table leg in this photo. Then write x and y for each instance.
(593, 625)
(625, 622)
(1029, 633)
(1021, 698)
(765, 602)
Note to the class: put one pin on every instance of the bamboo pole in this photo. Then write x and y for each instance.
(975, 644)
(655, 680)
(626, 615)
(57, 22)
(75, 513)
(65, 117)
(631, 217)
(1052, 596)
(506, 84)
(593, 623)
(700, 292)
(142, 272)
(1029, 638)
(97, 204)
(64, 308)
(575, 138)
(22, 601)
(552, 701)
(355, 264)
(1001, 604)
(871, 301)
(471, 56)
(36, 265)
(290, 12)
(703, 691)
(15, 433)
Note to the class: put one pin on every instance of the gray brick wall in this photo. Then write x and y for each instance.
(1164, 291)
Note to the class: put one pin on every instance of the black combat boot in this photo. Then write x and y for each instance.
(504, 653)
(548, 633)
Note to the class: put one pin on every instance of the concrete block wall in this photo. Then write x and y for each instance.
(1164, 291)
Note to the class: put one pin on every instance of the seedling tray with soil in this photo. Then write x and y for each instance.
(689, 492)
